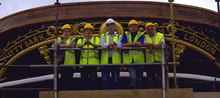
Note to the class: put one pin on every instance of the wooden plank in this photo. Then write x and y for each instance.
(130, 93)
(206, 94)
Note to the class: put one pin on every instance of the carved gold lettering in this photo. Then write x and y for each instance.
(35, 39)
(26, 43)
(31, 42)
(197, 41)
(212, 51)
(185, 37)
(16, 48)
(11, 52)
(208, 47)
(20, 46)
(191, 38)
(202, 45)
(41, 37)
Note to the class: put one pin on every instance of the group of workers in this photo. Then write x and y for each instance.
(112, 40)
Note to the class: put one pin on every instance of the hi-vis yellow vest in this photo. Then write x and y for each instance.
(157, 54)
(116, 55)
(89, 56)
(137, 55)
(69, 54)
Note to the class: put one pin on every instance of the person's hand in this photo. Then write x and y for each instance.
(151, 50)
(139, 44)
(63, 45)
(70, 46)
(125, 51)
(156, 46)
(53, 46)
(87, 42)
(111, 44)
(114, 47)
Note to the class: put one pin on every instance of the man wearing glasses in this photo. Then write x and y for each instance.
(154, 41)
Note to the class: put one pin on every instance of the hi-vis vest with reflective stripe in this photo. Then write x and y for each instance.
(137, 55)
(89, 56)
(157, 54)
(69, 54)
(116, 55)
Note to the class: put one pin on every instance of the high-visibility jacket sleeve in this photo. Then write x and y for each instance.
(97, 41)
(78, 42)
(119, 43)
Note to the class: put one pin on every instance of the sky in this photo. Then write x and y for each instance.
(8, 7)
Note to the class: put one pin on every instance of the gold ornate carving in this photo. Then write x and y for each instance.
(168, 28)
(12, 60)
(77, 29)
(1, 63)
(119, 28)
(51, 31)
(179, 50)
(45, 52)
(208, 55)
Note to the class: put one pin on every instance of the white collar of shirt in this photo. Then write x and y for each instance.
(153, 37)
(111, 35)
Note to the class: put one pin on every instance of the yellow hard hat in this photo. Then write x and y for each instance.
(88, 26)
(66, 26)
(149, 24)
(132, 22)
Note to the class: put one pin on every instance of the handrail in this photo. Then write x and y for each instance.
(122, 64)
(100, 48)
(2, 59)
(48, 77)
(33, 89)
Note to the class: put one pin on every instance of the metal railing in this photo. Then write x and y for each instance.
(137, 64)
(123, 48)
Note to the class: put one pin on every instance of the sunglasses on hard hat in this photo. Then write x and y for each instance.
(150, 29)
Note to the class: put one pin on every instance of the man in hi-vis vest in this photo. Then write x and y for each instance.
(110, 40)
(133, 38)
(66, 57)
(89, 73)
(154, 41)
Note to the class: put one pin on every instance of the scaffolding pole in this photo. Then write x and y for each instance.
(218, 1)
(173, 42)
(56, 66)
(163, 73)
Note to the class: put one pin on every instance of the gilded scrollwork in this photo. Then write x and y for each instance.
(23, 52)
(119, 28)
(179, 50)
(1, 63)
(168, 28)
(45, 52)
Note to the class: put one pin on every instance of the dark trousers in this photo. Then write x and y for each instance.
(114, 70)
(154, 76)
(136, 76)
(89, 77)
(66, 80)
